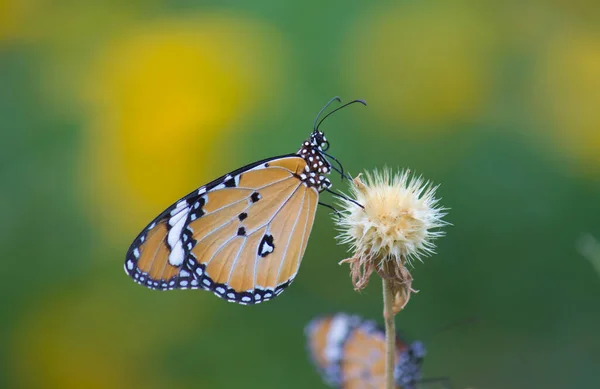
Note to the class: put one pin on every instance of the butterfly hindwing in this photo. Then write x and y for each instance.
(326, 337)
(350, 353)
(363, 364)
(242, 236)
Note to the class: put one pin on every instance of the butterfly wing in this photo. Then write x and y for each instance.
(363, 361)
(326, 338)
(350, 354)
(241, 236)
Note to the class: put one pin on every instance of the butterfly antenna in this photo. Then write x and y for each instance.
(337, 109)
(336, 98)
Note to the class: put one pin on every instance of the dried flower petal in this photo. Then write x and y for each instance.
(360, 271)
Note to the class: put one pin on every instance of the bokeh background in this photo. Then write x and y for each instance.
(110, 110)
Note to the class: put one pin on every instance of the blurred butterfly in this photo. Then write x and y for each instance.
(350, 354)
(243, 235)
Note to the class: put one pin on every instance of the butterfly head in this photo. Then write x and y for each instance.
(417, 351)
(317, 140)
(408, 366)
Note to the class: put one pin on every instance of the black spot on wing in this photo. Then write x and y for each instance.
(241, 231)
(266, 245)
(242, 216)
(255, 197)
(230, 183)
(196, 211)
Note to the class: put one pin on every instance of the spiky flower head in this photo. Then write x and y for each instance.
(400, 220)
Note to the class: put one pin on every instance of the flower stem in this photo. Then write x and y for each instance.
(390, 333)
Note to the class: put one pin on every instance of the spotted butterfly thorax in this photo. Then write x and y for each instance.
(350, 353)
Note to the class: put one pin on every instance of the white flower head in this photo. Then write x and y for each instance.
(399, 222)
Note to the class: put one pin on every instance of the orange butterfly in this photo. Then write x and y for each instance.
(350, 354)
(243, 235)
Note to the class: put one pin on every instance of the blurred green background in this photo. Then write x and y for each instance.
(111, 110)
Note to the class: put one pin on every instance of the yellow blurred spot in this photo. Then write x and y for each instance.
(63, 36)
(166, 100)
(422, 65)
(567, 95)
(61, 26)
(12, 12)
(97, 339)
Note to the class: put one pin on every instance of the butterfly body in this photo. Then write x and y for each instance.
(241, 236)
(350, 354)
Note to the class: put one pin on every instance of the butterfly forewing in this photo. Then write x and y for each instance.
(242, 236)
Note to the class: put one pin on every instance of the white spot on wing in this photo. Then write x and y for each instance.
(179, 207)
(336, 335)
(176, 256)
(266, 248)
(136, 253)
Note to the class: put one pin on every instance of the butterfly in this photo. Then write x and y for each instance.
(350, 353)
(243, 235)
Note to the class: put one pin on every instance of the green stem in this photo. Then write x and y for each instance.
(390, 334)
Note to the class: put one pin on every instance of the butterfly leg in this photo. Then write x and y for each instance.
(343, 196)
(342, 173)
(341, 169)
(337, 212)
